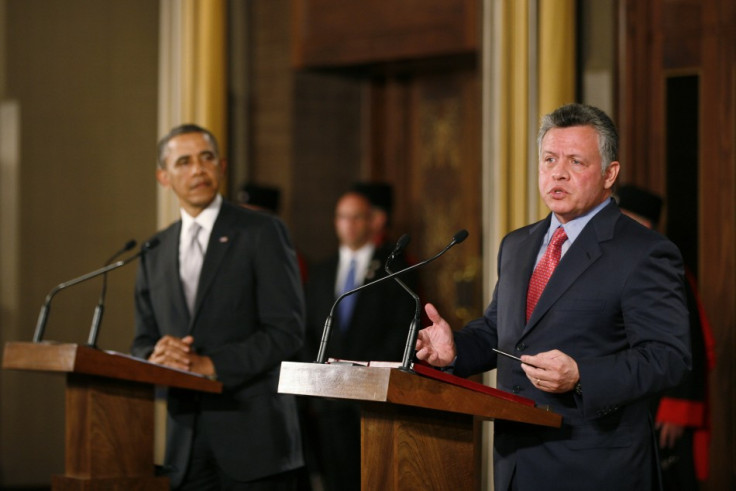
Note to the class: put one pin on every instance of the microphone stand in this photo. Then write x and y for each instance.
(100, 308)
(411, 340)
(44, 313)
(321, 354)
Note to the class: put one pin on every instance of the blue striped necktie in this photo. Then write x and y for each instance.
(347, 305)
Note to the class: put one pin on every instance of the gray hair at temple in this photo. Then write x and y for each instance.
(183, 129)
(584, 115)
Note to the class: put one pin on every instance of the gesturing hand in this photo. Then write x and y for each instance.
(435, 343)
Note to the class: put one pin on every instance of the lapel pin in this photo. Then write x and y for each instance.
(223, 239)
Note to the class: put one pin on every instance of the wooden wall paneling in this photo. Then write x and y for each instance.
(634, 112)
(335, 32)
(446, 190)
(718, 226)
(662, 41)
(681, 24)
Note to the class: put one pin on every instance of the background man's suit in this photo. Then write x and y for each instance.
(248, 317)
(616, 305)
(381, 317)
(378, 331)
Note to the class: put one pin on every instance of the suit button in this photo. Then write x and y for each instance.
(521, 347)
(516, 389)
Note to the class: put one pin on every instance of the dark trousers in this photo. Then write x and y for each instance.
(203, 473)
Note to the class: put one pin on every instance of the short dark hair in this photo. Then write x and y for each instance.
(182, 130)
(640, 201)
(584, 115)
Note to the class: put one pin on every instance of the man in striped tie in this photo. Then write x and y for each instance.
(593, 303)
(371, 325)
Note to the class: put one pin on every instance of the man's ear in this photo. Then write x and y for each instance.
(162, 176)
(611, 174)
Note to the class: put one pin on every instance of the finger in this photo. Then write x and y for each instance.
(422, 353)
(419, 345)
(176, 360)
(535, 361)
(432, 313)
(176, 344)
(169, 361)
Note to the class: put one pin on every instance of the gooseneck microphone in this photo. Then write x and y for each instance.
(414, 327)
(44, 313)
(100, 308)
(321, 355)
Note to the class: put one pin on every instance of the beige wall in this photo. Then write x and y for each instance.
(84, 76)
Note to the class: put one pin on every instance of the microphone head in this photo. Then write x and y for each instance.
(129, 245)
(148, 245)
(401, 243)
(460, 236)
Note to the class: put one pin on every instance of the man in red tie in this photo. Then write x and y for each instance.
(593, 303)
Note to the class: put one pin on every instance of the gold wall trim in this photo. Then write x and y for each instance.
(557, 68)
(192, 76)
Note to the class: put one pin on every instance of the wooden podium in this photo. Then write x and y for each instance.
(416, 432)
(109, 412)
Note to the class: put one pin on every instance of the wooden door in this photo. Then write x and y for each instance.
(426, 140)
(677, 116)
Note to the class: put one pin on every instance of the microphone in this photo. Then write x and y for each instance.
(456, 239)
(411, 340)
(44, 313)
(100, 308)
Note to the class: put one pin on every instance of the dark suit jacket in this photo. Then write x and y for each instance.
(615, 304)
(378, 332)
(381, 317)
(249, 316)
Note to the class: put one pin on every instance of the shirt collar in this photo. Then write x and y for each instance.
(206, 218)
(576, 225)
(362, 255)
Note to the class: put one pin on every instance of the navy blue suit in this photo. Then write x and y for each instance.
(249, 316)
(616, 305)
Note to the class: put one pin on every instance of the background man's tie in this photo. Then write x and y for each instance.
(346, 306)
(544, 270)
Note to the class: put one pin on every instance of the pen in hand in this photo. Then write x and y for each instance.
(512, 357)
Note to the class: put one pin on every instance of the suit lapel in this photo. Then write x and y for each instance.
(170, 260)
(525, 256)
(219, 243)
(582, 253)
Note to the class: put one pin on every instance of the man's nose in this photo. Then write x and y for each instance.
(560, 172)
(198, 166)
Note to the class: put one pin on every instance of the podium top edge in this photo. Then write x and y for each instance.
(86, 360)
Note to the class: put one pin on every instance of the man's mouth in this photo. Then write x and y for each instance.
(557, 192)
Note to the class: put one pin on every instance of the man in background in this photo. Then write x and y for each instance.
(220, 297)
(371, 325)
(682, 413)
(381, 197)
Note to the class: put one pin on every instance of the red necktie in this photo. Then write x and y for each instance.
(544, 270)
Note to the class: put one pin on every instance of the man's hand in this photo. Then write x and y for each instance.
(669, 434)
(435, 343)
(555, 371)
(178, 353)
